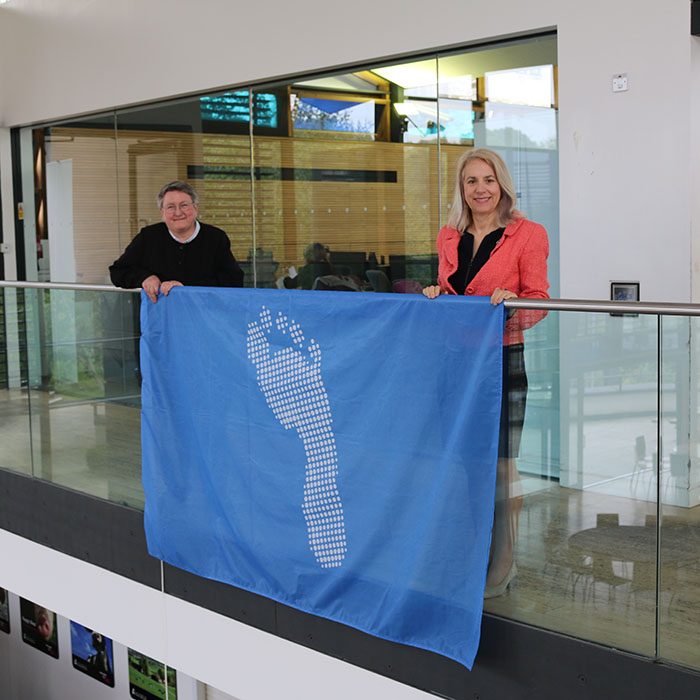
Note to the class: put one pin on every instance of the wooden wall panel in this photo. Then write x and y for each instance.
(116, 181)
(95, 212)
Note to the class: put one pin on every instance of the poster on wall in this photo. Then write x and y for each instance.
(39, 627)
(147, 678)
(92, 653)
(4, 611)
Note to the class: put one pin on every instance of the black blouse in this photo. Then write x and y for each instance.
(469, 266)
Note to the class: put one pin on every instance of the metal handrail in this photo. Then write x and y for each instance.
(615, 307)
(65, 285)
(618, 307)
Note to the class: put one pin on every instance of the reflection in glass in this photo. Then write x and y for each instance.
(347, 178)
(531, 85)
(74, 216)
(85, 400)
(332, 115)
(357, 161)
(582, 535)
(235, 107)
(679, 488)
(204, 141)
(15, 452)
(527, 138)
(519, 126)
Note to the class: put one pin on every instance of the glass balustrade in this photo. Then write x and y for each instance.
(675, 583)
(607, 485)
(15, 437)
(71, 391)
(592, 384)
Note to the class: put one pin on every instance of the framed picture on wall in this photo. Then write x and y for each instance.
(148, 678)
(4, 611)
(624, 291)
(92, 653)
(39, 627)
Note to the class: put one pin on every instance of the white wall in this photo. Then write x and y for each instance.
(236, 658)
(694, 148)
(28, 673)
(625, 159)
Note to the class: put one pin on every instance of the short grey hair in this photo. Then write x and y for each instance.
(178, 186)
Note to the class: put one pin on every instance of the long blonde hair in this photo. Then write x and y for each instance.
(460, 217)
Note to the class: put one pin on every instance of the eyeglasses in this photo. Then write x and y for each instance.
(184, 207)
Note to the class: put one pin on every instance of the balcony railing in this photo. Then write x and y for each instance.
(608, 538)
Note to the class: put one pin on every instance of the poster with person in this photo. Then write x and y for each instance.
(39, 627)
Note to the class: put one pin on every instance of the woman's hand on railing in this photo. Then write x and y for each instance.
(433, 291)
(499, 295)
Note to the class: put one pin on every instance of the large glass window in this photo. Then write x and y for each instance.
(359, 162)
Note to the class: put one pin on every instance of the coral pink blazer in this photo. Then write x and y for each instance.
(518, 263)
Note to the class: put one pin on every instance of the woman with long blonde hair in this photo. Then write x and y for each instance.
(488, 248)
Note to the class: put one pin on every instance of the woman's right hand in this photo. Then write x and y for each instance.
(432, 291)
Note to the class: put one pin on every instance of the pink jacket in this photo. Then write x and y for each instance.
(518, 263)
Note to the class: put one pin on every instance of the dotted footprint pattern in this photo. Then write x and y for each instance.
(290, 380)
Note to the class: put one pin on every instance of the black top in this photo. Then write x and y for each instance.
(468, 267)
(206, 261)
(308, 274)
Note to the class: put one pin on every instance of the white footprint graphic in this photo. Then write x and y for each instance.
(290, 380)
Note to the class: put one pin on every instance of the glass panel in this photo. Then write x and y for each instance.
(15, 434)
(74, 215)
(526, 137)
(679, 569)
(507, 118)
(85, 401)
(343, 194)
(531, 85)
(33, 226)
(203, 141)
(581, 536)
(475, 83)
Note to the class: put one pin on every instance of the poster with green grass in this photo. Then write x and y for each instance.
(147, 678)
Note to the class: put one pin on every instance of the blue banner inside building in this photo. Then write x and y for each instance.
(333, 452)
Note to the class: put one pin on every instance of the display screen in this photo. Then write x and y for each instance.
(234, 107)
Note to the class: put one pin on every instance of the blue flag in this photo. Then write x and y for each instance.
(334, 452)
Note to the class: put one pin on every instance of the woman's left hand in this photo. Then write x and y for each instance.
(500, 295)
